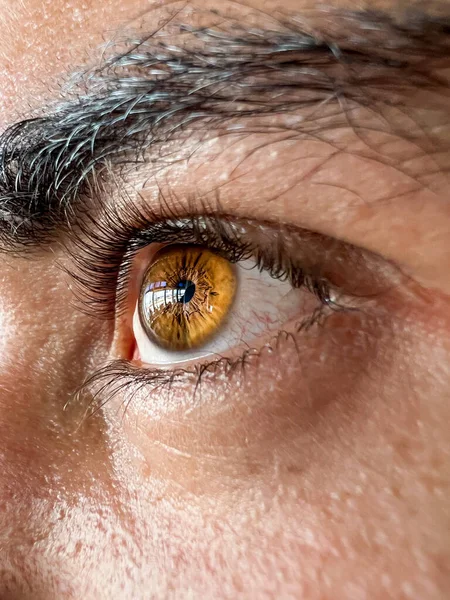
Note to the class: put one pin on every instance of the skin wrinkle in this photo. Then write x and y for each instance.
(46, 161)
(336, 151)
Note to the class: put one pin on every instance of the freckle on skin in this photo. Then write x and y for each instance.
(78, 548)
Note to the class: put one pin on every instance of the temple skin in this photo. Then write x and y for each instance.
(320, 480)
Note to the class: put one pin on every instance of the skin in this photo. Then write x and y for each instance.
(272, 486)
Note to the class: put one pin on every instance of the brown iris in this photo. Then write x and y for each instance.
(185, 296)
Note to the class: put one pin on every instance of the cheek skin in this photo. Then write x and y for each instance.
(49, 466)
(339, 469)
(356, 493)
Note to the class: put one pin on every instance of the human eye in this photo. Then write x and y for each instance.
(199, 297)
(199, 302)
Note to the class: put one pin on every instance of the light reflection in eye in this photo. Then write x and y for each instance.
(154, 297)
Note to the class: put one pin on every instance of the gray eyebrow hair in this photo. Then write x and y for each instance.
(158, 89)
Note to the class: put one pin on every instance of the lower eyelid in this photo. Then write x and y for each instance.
(285, 358)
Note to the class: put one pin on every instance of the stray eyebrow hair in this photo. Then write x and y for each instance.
(160, 87)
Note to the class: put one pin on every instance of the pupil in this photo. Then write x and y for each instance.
(185, 291)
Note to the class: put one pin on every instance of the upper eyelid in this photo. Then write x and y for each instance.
(46, 162)
(102, 258)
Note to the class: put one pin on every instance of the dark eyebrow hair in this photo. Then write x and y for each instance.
(160, 87)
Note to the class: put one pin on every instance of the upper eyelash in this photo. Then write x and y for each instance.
(102, 253)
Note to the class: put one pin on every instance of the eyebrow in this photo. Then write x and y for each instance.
(160, 87)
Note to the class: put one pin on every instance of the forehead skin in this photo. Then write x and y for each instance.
(78, 525)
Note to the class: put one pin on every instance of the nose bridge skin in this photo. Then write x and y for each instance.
(51, 457)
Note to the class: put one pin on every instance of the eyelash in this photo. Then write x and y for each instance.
(121, 377)
(102, 258)
(102, 255)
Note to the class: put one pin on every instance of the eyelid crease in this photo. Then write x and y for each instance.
(102, 250)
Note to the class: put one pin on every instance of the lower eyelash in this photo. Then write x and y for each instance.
(122, 378)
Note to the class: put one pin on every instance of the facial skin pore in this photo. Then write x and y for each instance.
(324, 472)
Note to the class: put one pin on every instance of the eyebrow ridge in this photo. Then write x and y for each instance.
(158, 89)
